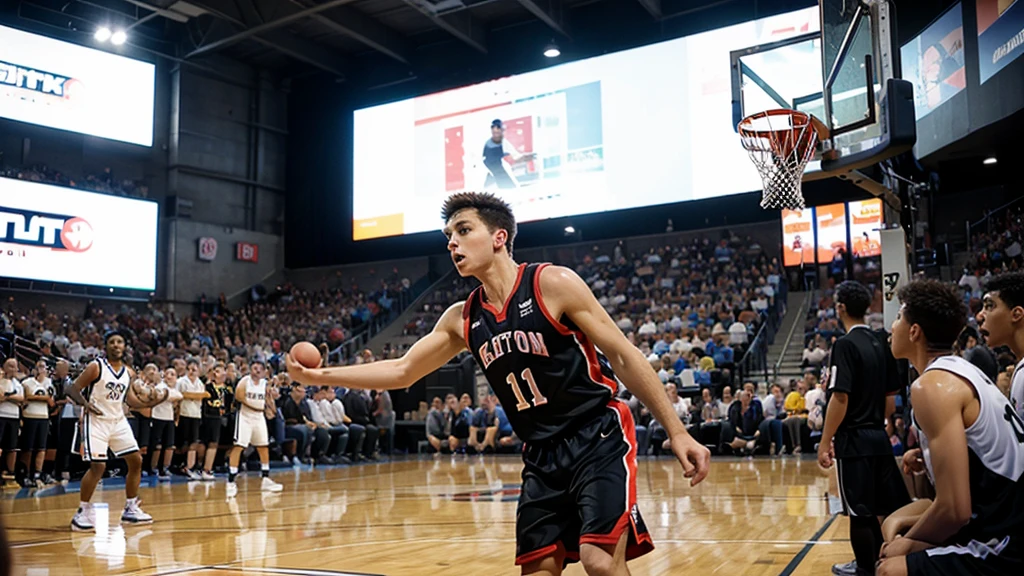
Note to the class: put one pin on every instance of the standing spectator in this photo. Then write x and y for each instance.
(384, 413)
(357, 408)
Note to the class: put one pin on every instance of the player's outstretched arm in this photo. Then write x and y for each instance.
(426, 355)
(87, 377)
(939, 399)
(564, 292)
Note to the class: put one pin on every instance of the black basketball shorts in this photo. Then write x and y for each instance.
(33, 434)
(871, 485)
(582, 490)
(9, 428)
(188, 431)
(992, 558)
(209, 430)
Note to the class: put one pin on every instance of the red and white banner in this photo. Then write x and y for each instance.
(58, 234)
(247, 252)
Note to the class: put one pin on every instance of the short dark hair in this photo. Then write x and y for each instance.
(937, 308)
(855, 297)
(192, 361)
(1010, 286)
(495, 212)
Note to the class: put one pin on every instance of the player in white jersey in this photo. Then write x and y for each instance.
(972, 447)
(12, 394)
(110, 383)
(1002, 320)
(254, 404)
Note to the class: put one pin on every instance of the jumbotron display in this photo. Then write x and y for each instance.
(57, 234)
(641, 127)
(69, 87)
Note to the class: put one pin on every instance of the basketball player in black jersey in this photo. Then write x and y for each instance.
(972, 447)
(535, 330)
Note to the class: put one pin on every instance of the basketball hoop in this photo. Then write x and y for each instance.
(781, 143)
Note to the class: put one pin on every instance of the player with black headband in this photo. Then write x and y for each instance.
(861, 388)
(107, 384)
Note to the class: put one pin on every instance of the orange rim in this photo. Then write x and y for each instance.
(801, 118)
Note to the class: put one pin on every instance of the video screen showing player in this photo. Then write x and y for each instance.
(498, 150)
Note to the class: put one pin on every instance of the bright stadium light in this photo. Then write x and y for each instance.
(119, 37)
(990, 161)
(552, 51)
(570, 230)
(102, 34)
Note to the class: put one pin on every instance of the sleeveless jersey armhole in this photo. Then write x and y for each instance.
(557, 324)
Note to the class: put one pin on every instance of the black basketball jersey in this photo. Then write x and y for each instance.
(546, 372)
(862, 366)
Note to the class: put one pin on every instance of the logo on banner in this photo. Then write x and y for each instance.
(207, 249)
(38, 81)
(890, 281)
(247, 252)
(54, 231)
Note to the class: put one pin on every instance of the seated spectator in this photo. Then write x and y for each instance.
(744, 424)
(774, 414)
(796, 415)
(483, 430)
(437, 425)
(384, 415)
(312, 440)
(338, 432)
(357, 408)
(813, 355)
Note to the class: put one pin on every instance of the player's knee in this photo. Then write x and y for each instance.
(892, 567)
(597, 561)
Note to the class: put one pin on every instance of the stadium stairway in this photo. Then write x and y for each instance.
(787, 352)
(393, 332)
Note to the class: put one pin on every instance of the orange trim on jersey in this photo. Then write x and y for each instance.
(499, 315)
(562, 328)
(641, 543)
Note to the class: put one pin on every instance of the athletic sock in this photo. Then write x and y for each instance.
(84, 506)
(265, 470)
(232, 473)
(131, 501)
(866, 540)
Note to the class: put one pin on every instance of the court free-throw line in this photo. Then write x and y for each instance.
(807, 548)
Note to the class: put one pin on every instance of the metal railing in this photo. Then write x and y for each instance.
(362, 335)
(972, 227)
(801, 312)
(755, 359)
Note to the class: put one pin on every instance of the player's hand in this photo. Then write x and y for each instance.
(826, 455)
(92, 407)
(695, 457)
(299, 373)
(903, 546)
(913, 463)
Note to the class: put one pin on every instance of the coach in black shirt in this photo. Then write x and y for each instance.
(860, 389)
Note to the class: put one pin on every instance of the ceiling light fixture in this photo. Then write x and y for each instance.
(552, 51)
(118, 38)
(990, 161)
(102, 34)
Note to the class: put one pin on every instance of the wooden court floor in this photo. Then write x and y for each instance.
(427, 516)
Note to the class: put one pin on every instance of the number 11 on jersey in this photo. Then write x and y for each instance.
(538, 398)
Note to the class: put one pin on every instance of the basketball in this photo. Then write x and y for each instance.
(306, 354)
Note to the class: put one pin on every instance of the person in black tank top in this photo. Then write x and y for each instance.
(972, 448)
(551, 355)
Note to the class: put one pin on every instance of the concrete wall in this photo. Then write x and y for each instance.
(191, 277)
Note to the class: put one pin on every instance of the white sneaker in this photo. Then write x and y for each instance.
(192, 475)
(84, 520)
(232, 489)
(207, 476)
(133, 514)
(269, 485)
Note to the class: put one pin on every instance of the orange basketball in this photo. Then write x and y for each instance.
(306, 354)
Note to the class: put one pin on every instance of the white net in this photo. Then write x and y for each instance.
(780, 143)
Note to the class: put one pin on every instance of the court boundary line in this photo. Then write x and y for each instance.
(807, 548)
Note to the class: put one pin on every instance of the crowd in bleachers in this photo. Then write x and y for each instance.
(998, 248)
(105, 182)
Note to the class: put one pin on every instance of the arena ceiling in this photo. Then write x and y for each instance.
(342, 37)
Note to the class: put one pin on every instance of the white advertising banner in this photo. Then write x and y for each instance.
(60, 234)
(70, 87)
(895, 272)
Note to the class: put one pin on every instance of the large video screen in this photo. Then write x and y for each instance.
(866, 227)
(934, 62)
(60, 234)
(797, 237)
(831, 231)
(69, 87)
(1000, 28)
(647, 126)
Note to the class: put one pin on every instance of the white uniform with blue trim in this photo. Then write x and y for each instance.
(111, 429)
(251, 425)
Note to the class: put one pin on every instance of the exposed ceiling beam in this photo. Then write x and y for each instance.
(549, 12)
(462, 24)
(293, 13)
(355, 24)
(246, 19)
(652, 6)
